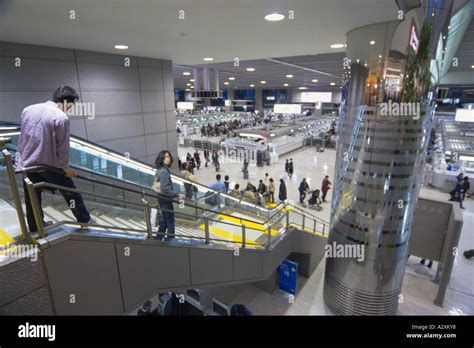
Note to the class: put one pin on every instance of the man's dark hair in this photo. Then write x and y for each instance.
(466, 178)
(226, 177)
(327, 176)
(236, 187)
(271, 180)
(65, 94)
(218, 177)
(161, 158)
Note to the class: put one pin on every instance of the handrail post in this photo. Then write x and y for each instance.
(324, 227)
(314, 228)
(243, 236)
(287, 219)
(16, 196)
(269, 239)
(148, 221)
(35, 207)
(304, 216)
(206, 230)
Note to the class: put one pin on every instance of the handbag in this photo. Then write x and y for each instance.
(156, 187)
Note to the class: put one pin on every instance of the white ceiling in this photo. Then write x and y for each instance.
(222, 29)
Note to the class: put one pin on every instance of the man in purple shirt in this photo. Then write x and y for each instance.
(44, 141)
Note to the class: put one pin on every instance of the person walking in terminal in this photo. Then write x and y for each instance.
(271, 190)
(287, 166)
(227, 183)
(282, 192)
(304, 187)
(163, 186)
(290, 168)
(325, 187)
(218, 185)
(465, 187)
(197, 158)
(44, 141)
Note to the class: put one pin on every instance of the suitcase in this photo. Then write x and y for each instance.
(246, 174)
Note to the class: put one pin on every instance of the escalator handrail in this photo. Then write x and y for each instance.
(177, 178)
(150, 192)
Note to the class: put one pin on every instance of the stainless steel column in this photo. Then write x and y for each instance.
(379, 164)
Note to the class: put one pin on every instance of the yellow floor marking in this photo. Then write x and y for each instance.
(227, 235)
(5, 238)
(249, 224)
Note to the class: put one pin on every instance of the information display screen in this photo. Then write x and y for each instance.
(287, 108)
(185, 106)
(464, 115)
(316, 97)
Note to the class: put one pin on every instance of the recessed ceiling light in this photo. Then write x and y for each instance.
(372, 42)
(208, 59)
(232, 78)
(121, 47)
(302, 87)
(226, 83)
(188, 84)
(289, 76)
(273, 17)
(332, 83)
(188, 89)
(285, 84)
(186, 73)
(472, 66)
(235, 87)
(192, 80)
(252, 85)
(380, 56)
(191, 86)
(314, 80)
(337, 45)
(250, 69)
(263, 82)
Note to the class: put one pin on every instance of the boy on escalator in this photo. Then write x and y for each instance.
(44, 141)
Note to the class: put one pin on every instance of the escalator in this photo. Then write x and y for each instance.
(114, 264)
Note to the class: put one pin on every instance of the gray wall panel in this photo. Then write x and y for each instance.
(164, 267)
(78, 126)
(89, 271)
(104, 58)
(168, 82)
(151, 79)
(149, 63)
(211, 266)
(248, 265)
(11, 49)
(156, 143)
(107, 77)
(172, 141)
(154, 123)
(134, 145)
(36, 74)
(104, 80)
(169, 101)
(12, 103)
(279, 253)
(116, 126)
(113, 103)
(153, 101)
(167, 65)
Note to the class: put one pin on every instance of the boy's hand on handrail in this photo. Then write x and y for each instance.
(69, 172)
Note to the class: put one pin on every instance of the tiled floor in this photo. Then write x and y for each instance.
(418, 289)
